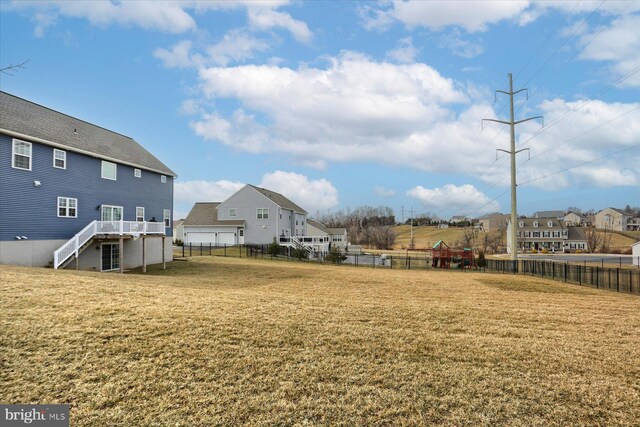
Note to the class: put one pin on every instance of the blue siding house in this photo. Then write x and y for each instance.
(75, 195)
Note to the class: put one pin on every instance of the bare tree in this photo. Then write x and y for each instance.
(593, 238)
(11, 68)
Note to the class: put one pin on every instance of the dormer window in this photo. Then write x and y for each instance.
(521, 224)
(535, 223)
(550, 224)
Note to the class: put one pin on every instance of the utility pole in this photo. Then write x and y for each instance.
(411, 241)
(512, 123)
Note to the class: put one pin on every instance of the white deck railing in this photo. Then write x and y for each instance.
(128, 228)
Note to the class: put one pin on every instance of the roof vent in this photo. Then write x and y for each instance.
(75, 131)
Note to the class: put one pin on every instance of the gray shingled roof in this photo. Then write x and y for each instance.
(206, 213)
(542, 222)
(337, 230)
(279, 199)
(318, 225)
(30, 120)
(575, 233)
(548, 214)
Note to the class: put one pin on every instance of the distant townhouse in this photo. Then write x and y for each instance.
(546, 233)
(74, 191)
(616, 220)
(635, 252)
(178, 230)
(493, 221)
(571, 219)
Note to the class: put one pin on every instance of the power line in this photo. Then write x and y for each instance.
(579, 164)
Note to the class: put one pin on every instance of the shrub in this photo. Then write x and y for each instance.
(579, 251)
(300, 252)
(482, 261)
(178, 242)
(335, 256)
(274, 248)
(534, 251)
(545, 251)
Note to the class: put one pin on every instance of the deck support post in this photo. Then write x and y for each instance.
(144, 257)
(121, 244)
(164, 264)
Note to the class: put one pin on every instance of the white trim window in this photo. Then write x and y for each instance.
(139, 213)
(21, 155)
(59, 159)
(109, 170)
(67, 207)
(163, 179)
(166, 216)
(262, 213)
(233, 212)
(137, 173)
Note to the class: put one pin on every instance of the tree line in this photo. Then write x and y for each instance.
(366, 225)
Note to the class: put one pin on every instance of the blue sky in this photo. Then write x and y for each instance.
(343, 104)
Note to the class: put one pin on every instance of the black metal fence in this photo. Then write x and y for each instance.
(353, 259)
(615, 279)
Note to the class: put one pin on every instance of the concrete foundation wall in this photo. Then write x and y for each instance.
(39, 253)
(30, 253)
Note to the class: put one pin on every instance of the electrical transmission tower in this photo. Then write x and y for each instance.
(512, 124)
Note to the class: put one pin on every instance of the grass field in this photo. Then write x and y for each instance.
(227, 341)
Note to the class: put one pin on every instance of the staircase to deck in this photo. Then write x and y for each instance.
(73, 247)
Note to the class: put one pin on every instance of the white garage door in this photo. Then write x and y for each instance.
(197, 238)
(226, 238)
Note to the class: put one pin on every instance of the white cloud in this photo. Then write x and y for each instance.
(179, 56)
(462, 199)
(619, 44)
(235, 46)
(266, 18)
(405, 53)
(311, 195)
(187, 193)
(459, 46)
(472, 16)
(167, 16)
(358, 110)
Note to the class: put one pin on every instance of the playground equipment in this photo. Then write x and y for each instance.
(442, 256)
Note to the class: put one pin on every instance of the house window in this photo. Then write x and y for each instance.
(111, 213)
(233, 212)
(163, 179)
(67, 207)
(550, 223)
(137, 173)
(166, 214)
(109, 170)
(536, 234)
(59, 159)
(535, 223)
(263, 213)
(21, 155)
(140, 214)
(521, 224)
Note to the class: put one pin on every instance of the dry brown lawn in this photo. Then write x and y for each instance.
(227, 341)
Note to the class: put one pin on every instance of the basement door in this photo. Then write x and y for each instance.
(110, 257)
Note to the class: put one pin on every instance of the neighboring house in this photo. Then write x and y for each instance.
(178, 230)
(546, 233)
(73, 191)
(457, 219)
(576, 240)
(633, 224)
(549, 214)
(252, 215)
(612, 219)
(571, 219)
(203, 226)
(635, 252)
(338, 237)
(587, 220)
(493, 221)
(443, 225)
